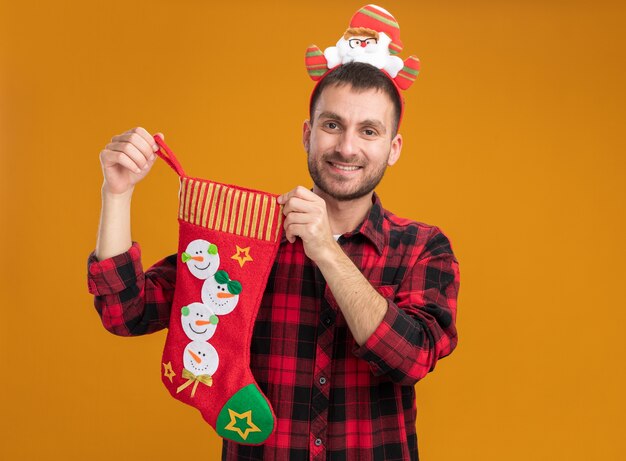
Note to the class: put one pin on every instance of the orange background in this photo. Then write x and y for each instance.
(514, 146)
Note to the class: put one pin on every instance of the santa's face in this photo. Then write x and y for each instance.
(201, 258)
(200, 358)
(350, 142)
(218, 298)
(362, 47)
(198, 322)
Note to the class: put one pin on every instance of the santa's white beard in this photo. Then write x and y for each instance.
(376, 54)
(362, 54)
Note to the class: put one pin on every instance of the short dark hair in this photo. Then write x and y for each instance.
(360, 76)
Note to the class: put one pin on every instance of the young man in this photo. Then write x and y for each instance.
(359, 306)
(360, 303)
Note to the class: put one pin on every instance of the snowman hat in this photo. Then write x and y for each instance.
(368, 19)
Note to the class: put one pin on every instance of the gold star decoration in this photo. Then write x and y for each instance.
(242, 255)
(236, 418)
(168, 372)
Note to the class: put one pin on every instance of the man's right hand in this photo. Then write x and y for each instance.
(126, 160)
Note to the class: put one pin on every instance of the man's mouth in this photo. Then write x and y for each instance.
(343, 167)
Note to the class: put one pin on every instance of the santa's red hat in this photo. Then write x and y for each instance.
(379, 19)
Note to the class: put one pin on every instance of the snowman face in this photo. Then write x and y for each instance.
(217, 297)
(200, 358)
(196, 321)
(201, 258)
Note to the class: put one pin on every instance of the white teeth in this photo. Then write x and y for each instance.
(345, 168)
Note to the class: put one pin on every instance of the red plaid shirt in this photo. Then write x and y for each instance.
(332, 399)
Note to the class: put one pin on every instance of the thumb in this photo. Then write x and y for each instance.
(160, 135)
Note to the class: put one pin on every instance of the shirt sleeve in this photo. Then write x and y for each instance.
(129, 301)
(419, 327)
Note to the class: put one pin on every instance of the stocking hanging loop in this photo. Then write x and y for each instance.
(166, 154)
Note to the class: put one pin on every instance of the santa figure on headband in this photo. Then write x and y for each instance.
(362, 43)
(372, 37)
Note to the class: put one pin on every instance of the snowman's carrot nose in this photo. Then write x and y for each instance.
(202, 322)
(221, 294)
(198, 258)
(195, 357)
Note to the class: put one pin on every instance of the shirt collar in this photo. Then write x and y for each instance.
(371, 227)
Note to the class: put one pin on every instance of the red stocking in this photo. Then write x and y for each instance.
(227, 243)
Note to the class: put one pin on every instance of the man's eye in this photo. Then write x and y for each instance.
(370, 132)
(331, 125)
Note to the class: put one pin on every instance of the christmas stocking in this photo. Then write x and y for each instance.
(227, 243)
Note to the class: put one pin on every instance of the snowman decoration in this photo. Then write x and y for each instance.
(201, 258)
(219, 295)
(198, 321)
(200, 359)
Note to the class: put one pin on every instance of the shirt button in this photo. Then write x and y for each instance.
(328, 321)
(322, 380)
(318, 442)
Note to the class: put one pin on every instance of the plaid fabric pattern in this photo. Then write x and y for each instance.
(333, 399)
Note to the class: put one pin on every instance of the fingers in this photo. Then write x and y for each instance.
(300, 192)
(113, 157)
(305, 217)
(299, 218)
(127, 159)
(145, 136)
(294, 231)
(298, 205)
(146, 148)
(129, 150)
(297, 225)
(136, 144)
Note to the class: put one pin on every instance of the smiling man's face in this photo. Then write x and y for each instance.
(350, 141)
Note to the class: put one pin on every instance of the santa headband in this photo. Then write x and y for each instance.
(373, 37)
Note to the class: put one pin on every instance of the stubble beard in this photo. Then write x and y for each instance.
(325, 184)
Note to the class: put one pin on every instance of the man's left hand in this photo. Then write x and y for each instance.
(306, 217)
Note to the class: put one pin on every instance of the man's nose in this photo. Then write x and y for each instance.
(348, 144)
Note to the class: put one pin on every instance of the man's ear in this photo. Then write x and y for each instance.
(396, 148)
(306, 134)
